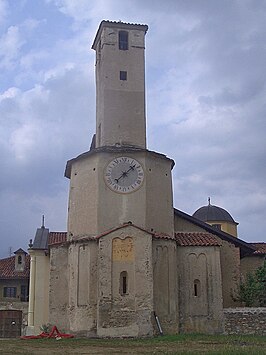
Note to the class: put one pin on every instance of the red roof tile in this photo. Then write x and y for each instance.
(7, 268)
(260, 248)
(196, 239)
(163, 236)
(57, 238)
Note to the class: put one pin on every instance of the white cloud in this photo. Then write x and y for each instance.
(10, 45)
(3, 11)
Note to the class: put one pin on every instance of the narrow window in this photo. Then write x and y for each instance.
(123, 75)
(196, 290)
(123, 40)
(123, 283)
(19, 259)
(24, 293)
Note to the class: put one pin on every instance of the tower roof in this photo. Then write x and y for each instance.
(213, 213)
(120, 25)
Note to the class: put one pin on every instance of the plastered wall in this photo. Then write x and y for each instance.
(128, 314)
(230, 267)
(94, 208)
(200, 296)
(39, 291)
(58, 290)
(165, 276)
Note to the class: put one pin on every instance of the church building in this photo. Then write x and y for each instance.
(130, 264)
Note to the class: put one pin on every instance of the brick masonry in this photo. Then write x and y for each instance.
(245, 321)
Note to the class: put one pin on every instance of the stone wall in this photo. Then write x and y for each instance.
(245, 321)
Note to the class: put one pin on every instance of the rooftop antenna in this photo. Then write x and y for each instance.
(43, 221)
(209, 201)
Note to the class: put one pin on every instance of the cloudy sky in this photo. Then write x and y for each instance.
(206, 104)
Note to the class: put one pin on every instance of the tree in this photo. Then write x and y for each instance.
(252, 291)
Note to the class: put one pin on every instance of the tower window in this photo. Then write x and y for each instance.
(217, 226)
(123, 283)
(123, 40)
(123, 75)
(19, 259)
(196, 290)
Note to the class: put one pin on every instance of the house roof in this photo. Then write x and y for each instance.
(20, 251)
(7, 268)
(260, 248)
(57, 238)
(99, 236)
(202, 239)
(245, 248)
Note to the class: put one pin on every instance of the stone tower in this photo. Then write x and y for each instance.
(120, 196)
(101, 197)
(120, 85)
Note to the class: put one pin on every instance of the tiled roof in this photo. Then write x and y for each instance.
(196, 239)
(7, 268)
(163, 236)
(245, 248)
(260, 248)
(57, 238)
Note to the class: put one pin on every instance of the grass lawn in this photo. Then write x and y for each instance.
(176, 344)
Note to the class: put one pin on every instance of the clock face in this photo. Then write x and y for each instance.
(124, 175)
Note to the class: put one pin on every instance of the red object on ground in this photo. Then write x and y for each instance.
(54, 333)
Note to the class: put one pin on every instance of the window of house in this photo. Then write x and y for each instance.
(19, 259)
(196, 288)
(123, 75)
(217, 226)
(24, 293)
(123, 283)
(123, 40)
(10, 292)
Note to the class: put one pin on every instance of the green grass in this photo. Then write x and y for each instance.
(175, 344)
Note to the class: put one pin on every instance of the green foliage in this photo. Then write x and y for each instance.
(252, 291)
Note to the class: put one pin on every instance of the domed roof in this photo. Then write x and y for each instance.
(213, 213)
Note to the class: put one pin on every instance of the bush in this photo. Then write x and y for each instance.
(252, 291)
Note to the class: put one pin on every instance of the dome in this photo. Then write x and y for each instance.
(213, 213)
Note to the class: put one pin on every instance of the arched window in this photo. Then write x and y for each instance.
(123, 283)
(123, 40)
(19, 259)
(196, 288)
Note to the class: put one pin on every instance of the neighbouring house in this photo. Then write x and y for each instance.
(14, 293)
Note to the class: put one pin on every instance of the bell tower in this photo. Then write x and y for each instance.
(120, 84)
(120, 196)
(119, 180)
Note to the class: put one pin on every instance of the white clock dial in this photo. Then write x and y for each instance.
(124, 175)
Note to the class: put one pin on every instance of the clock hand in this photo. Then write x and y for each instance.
(125, 173)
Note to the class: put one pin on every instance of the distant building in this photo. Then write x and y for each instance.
(14, 293)
(14, 277)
